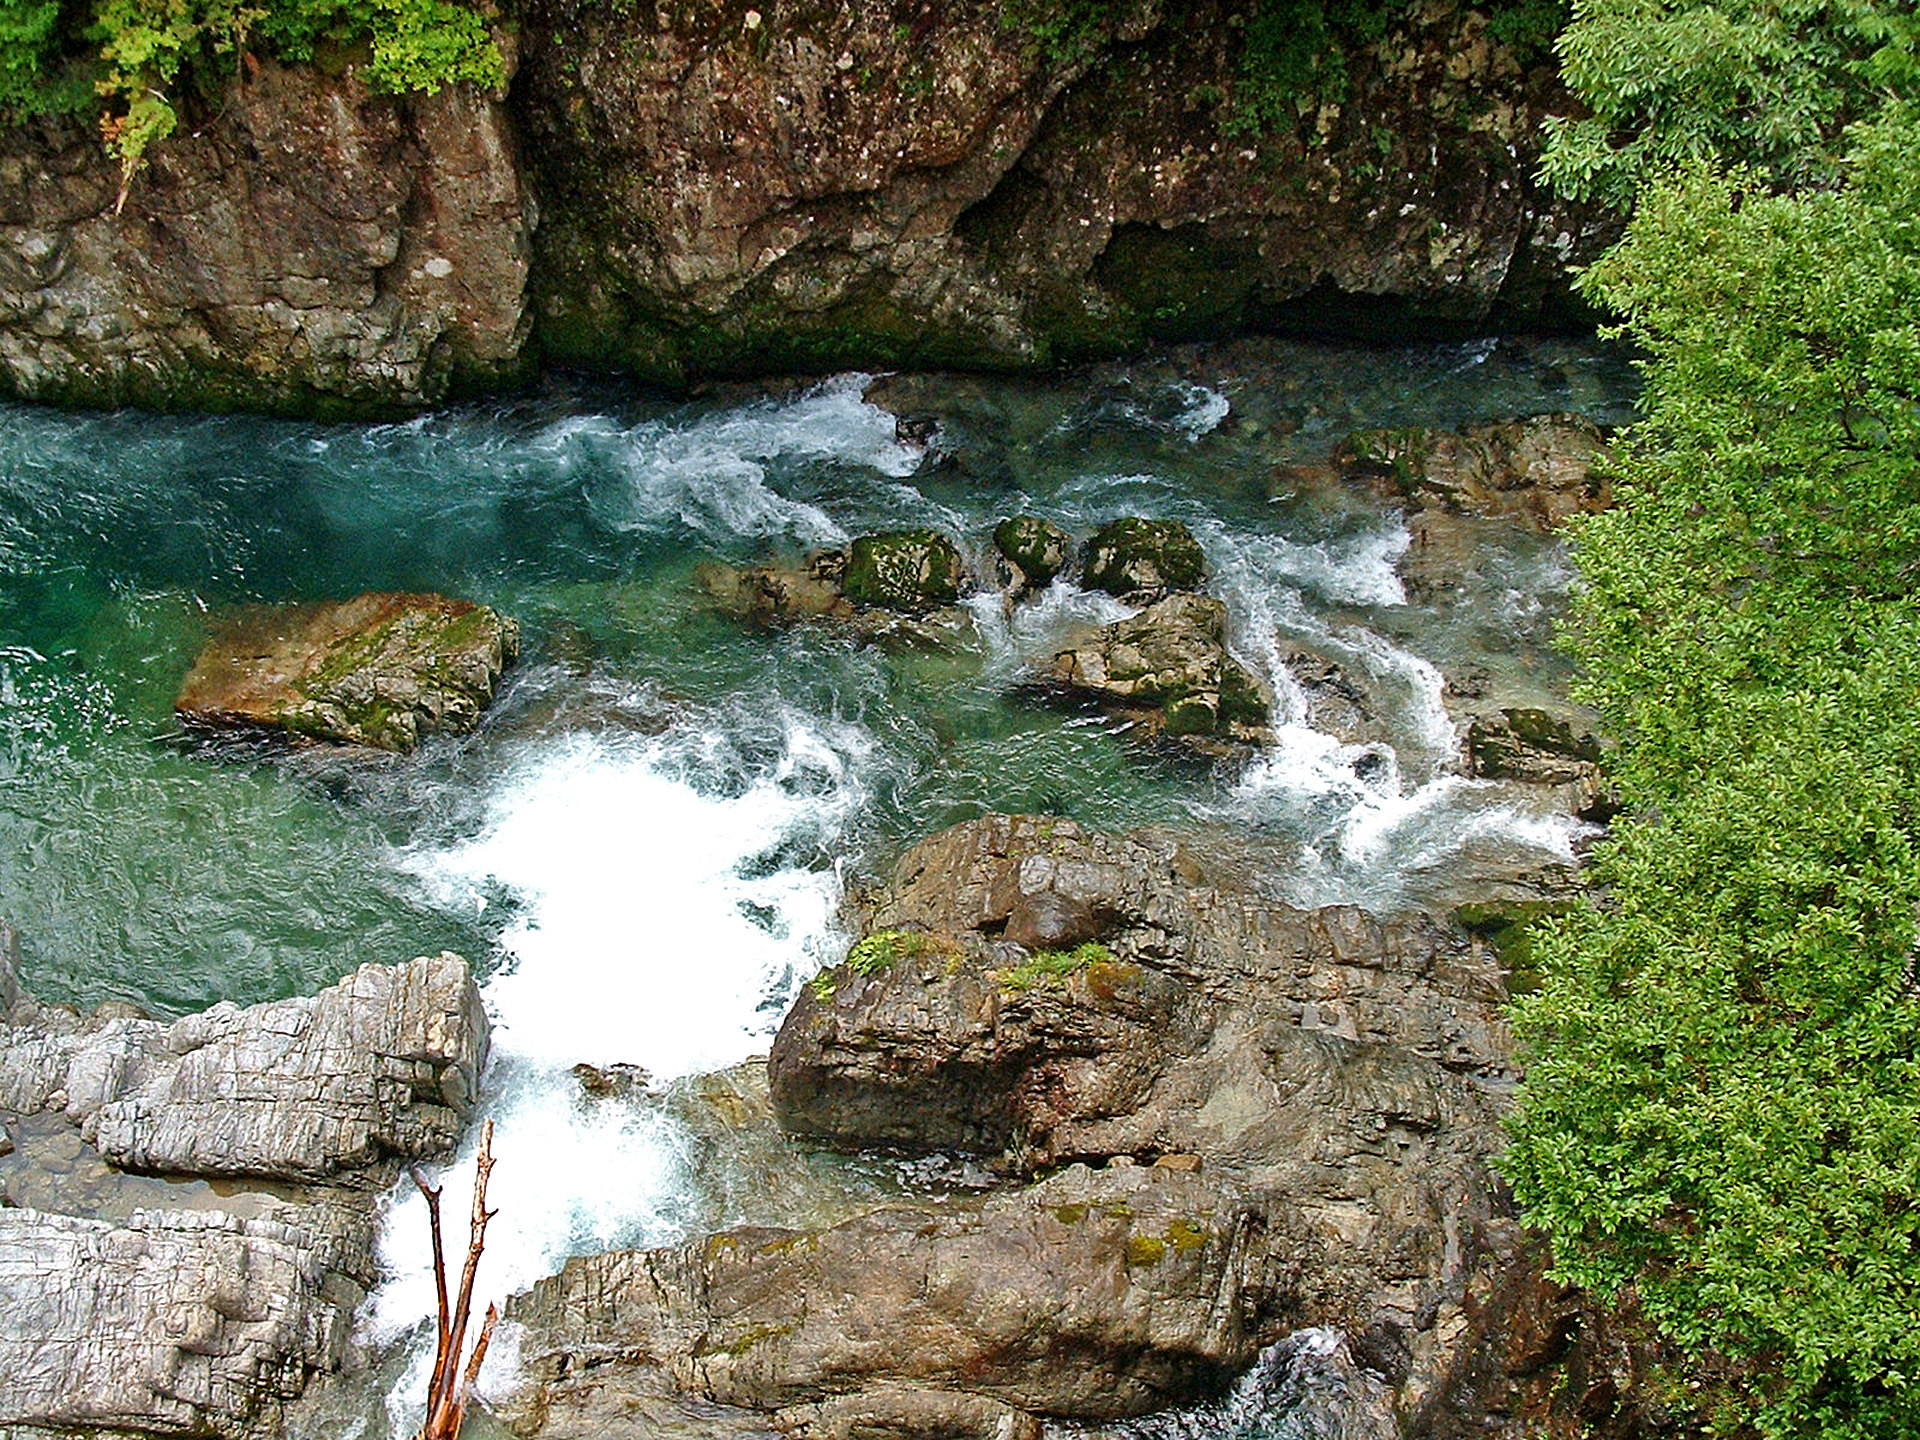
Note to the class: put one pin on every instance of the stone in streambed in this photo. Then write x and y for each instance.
(1035, 549)
(1142, 560)
(915, 571)
(381, 669)
(1169, 667)
(1537, 471)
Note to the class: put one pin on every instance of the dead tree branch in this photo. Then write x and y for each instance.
(451, 1387)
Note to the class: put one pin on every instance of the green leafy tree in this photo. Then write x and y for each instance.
(1722, 1105)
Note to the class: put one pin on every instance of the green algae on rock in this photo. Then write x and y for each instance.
(382, 669)
(1144, 559)
(912, 570)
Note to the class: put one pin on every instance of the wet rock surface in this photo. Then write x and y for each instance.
(1169, 670)
(1035, 550)
(1537, 471)
(915, 571)
(383, 670)
(1555, 749)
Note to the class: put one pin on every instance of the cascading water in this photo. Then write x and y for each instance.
(644, 846)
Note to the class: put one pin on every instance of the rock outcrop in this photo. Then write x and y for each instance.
(1540, 747)
(383, 670)
(381, 1067)
(173, 1323)
(787, 187)
(1100, 1294)
(1266, 1117)
(1168, 670)
(300, 245)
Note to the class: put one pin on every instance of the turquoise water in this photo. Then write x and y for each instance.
(645, 845)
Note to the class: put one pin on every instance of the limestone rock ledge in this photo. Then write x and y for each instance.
(383, 1066)
(173, 1323)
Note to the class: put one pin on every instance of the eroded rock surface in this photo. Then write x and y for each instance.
(174, 1322)
(381, 669)
(382, 1066)
(1169, 669)
(302, 244)
(1099, 1294)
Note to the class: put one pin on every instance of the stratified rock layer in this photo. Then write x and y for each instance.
(383, 1066)
(173, 1323)
(383, 670)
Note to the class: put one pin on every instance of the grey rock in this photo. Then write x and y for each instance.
(382, 1066)
(173, 1323)
(381, 669)
(1169, 669)
(1099, 1294)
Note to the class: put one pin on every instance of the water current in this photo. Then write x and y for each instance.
(644, 847)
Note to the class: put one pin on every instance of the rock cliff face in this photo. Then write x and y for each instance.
(302, 246)
(725, 189)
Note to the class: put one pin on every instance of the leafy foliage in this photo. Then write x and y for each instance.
(1772, 83)
(1044, 966)
(1722, 1104)
(137, 54)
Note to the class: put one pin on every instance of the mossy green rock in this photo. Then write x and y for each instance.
(911, 570)
(1145, 558)
(381, 669)
(1170, 662)
(1036, 549)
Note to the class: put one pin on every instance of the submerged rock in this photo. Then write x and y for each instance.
(381, 1067)
(1098, 1295)
(1143, 560)
(1035, 549)
(1169, 667)
(173, 1322)
(767, 595)
(381, 669)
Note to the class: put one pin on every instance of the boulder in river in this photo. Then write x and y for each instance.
(1036, 550)
(1168, 667)
(1098, 1295)
(383, 1066)
(1142, 560)
(1536, 471)
(1540, 747)
(915, 571)
(382, 669)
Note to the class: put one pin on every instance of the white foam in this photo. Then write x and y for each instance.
(1038, 627)
(1205, 411)
(710, 473)
(669, 897)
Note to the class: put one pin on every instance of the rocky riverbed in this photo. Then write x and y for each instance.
(1116, 1061)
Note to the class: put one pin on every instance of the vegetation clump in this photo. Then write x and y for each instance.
(1722, 1102)
(1044, 967)
(130, 61)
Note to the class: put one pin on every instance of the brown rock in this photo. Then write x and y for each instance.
(1537, 471)
(383, 670)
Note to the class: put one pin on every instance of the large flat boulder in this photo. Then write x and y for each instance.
(184, 1323)
(383, 1066)
(382, 669)
(1099, 1295)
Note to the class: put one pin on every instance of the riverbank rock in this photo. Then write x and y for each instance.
(1540, 747)
(382, 669)
(1098, 1295)
(1169, 670)
(1143, 560)
(1035, 550)
(1536, 471)
(332, 1087)
(299, 244)
(173, 1322)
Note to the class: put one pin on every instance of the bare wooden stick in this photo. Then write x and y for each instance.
(450, 1387)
